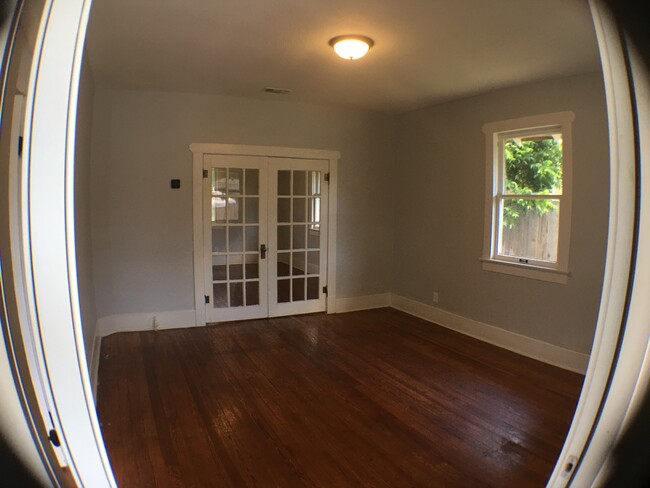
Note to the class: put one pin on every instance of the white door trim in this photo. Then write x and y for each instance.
(49, 233)
(199, 150)
(619, 366)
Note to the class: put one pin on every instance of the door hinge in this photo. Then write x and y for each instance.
(53, 436)
(325, 290)
(327, 177)
(20, 146)
(207, 298)
(205, 173)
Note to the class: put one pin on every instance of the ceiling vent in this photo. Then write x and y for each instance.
(277, 91)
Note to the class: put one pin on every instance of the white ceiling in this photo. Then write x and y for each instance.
(426, 51)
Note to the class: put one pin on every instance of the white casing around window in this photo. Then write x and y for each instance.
(557, 272)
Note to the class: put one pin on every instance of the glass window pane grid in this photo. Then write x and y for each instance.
(554, 133)
(234, 187)
(501, 199)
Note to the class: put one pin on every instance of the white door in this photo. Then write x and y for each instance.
(298, 236)
(264, 236)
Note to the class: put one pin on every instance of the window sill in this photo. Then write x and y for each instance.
(526, 271)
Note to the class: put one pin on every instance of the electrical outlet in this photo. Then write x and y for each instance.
(436, 297)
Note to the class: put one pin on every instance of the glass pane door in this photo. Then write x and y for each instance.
(297, 236)
(236, 198)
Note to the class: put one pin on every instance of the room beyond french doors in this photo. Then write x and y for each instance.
(264, 236)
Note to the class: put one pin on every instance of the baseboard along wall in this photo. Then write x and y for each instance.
(94, 365)
(524, 345)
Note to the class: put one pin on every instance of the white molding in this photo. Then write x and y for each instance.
(526, 346)
(94, 364)
(617, 378)
(367, 302)
(49, 148)
(525, 271)
(268, 151)
(200, 150)
(494, 176)
(133, 322)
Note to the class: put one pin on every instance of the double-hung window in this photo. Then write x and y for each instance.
(528, 196)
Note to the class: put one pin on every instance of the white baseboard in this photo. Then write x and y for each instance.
(94, 364)
(131, 322)
(526, 346)
(367, 302)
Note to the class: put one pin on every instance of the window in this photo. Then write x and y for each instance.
(528, 197)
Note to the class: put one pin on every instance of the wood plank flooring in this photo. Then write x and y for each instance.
(374, 398)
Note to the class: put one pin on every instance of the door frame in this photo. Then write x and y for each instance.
(199, 150)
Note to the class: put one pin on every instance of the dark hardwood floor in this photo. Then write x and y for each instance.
(375, 398)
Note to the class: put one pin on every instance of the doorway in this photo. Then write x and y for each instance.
(264, 233)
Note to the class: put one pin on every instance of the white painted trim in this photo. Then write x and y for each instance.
(199, 150)
(49, 153)
(525, 271)
(94, 364)
(367, 302)
(331, 232)
(617, 268)
(526, 346)
(493, 178)
(268, 151)
(197, 238)
(133, 322)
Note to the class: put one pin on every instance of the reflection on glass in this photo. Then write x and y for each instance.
(236, 270)
(218, 181)
(252, 182)
(298, 265)
(252, 210)
(218, 239)
(299, 232)
(234, 212)
(312, 288)
(313, 262)
(252, 266)
(284, 264)
(235, 180)
(313, 183)
(220, 292)
(252, 238)
(219, 272)
(284, 237)
(299, 183)
(218, 209)
(284, 291)
(313, 238)
(236, 294)
(284, 209)
(235, 239)
(299, 210)
(252, 293)
(530, 229)
(284, 182)
(298, 289)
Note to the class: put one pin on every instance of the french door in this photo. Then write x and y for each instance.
(264, 236)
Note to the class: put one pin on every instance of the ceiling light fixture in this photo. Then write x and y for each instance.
(351, 47)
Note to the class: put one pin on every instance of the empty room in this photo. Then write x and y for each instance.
(311, 270)
(342, 243)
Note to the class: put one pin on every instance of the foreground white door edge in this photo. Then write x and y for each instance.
(49, 168)
(618, 369)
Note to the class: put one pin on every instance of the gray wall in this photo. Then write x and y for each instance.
(83, 218)
(142, 230)
(439, 221)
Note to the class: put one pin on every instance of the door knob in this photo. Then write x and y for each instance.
(263, 251)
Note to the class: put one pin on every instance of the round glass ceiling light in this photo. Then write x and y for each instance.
(351, 47)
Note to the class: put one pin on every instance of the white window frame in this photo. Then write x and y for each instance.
(495, 134)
